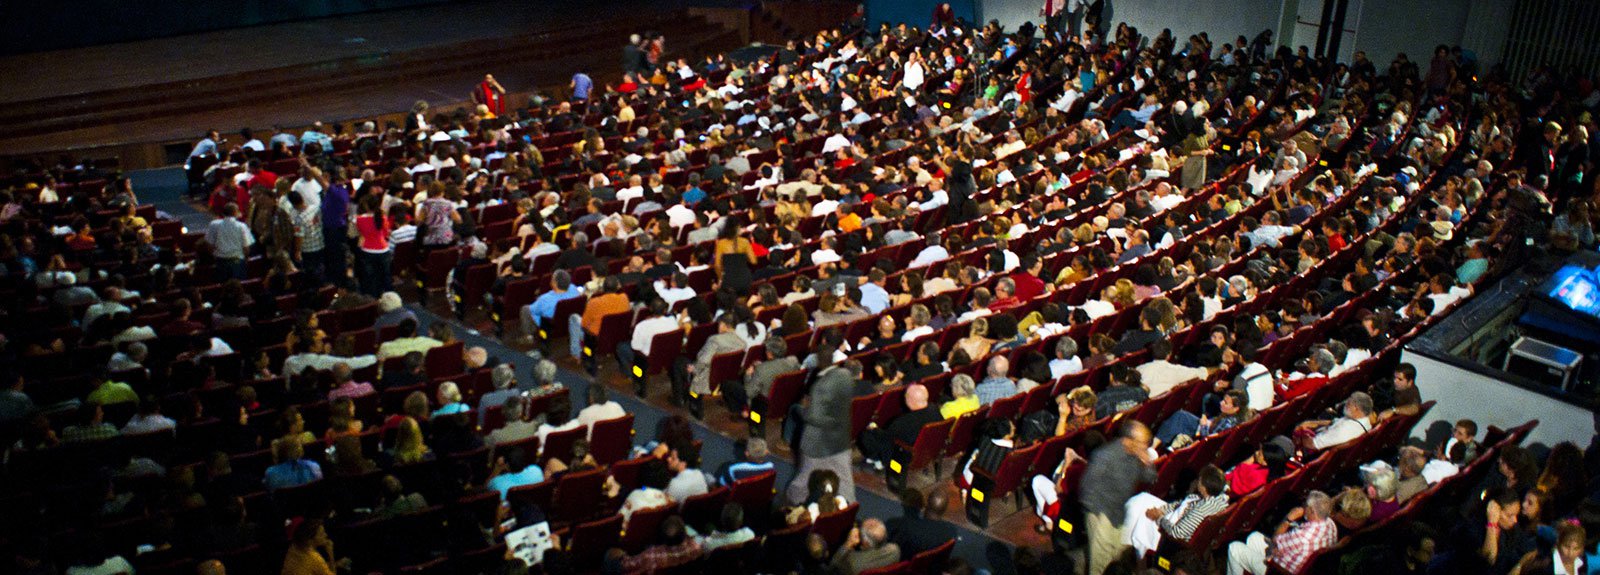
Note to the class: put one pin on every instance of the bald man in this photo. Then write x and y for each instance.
(211, 567)
(877, 444)
(867, 548)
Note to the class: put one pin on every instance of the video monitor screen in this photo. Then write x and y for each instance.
(1576, 288)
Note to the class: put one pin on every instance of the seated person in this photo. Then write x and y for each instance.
(1178, 519)
(1324, 434)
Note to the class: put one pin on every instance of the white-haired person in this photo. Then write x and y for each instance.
(392, 311)
(1306, 530)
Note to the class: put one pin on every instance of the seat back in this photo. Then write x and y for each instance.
(437, 268)
(578, 495)
(786, 390)
(558, 445)
(611, 440)
(445, 360)
(725, 369)
(754, 494)
(834, 527)
(702, 511)
(861, 412)
(613, 329)
(643, 526)
(588, 542)
(962, 432)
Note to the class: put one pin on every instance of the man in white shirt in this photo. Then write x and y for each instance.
(1445, 293)
(634, 190)
(915, 74)
(309, 186)
(1161, 375)
(828, 205)
(687, 480)
(1164, 198)
(676, 291)
(644, 334)
(826, 254)
(1066, 361)
(680, 214)
(838, 141)
(1012, 145)
(1256, 381)
(1097, 309)
(917, 323)
(930, 255)
(1356, 422)
(937, 197)
(600, 408)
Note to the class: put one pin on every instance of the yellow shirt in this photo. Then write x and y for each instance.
(959, 406)
(304, 562)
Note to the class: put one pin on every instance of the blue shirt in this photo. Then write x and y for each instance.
(694, 195)
(545, 307)
(452, 409)
(874, 298)
(581, 86)
(206, 146)
(505, 482)
(323, 140)
(292, 474)
(995, 388)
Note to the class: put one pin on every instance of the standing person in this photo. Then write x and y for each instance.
(825, 439)
(734, 256)
(335, 227)
(308, 236)
(440, 217)
(230, 240)
(581, 86)
(491, 94)
(376, 256)
(1115, 469)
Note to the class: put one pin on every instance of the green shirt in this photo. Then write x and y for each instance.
(113, 392)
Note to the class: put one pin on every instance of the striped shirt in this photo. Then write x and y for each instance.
(1195, 510)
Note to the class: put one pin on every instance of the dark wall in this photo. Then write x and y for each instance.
(916, 12)
(38, 25)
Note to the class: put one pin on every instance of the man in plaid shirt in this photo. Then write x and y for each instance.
(308, 234)
(1292, 544)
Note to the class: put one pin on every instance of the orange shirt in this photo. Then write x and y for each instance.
(849, 223)
(601, 306)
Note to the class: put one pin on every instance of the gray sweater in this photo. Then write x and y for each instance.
(827, 417)
(1111, 478)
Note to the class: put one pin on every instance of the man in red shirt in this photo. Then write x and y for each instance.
(490, 93)
(258, 177)
(1029, 285)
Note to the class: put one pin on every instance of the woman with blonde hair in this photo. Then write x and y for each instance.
(1075, 409)
(1122, 294)
(409, 446)
(977, 342)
